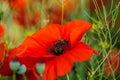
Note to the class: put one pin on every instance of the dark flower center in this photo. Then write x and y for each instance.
(59, 47)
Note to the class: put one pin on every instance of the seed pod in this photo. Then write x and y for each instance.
(14, 65)
(40, 67)
(22, 69)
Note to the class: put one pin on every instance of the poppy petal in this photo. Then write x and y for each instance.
(50, 72)
(82, 52)
(29, 48)
(37, 44)
(64, 64)
(59, 66)
(74, 30)
(31, 61)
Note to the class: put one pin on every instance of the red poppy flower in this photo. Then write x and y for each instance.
(58, 46)
(2, 30)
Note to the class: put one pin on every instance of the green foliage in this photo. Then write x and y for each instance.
(1, 15)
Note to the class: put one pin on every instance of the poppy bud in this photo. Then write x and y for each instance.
(22, 69)
(40, 67)
(14, 65)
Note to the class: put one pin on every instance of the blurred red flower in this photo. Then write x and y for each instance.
(55, 11)
(2, 45)
(21, 15)
(2, 30)
(112, 64)
(24, 19)
(99, 4)
(2, 52)
(57, 46)
(18, 5)
(4, 60)
(19, 10)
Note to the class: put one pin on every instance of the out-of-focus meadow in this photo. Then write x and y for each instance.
(22, 18)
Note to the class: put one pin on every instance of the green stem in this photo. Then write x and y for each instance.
(67, 76)
(40, 77)
(43, 13)
(62, 12)
(24, 77)
(9, 78)
(14, 76)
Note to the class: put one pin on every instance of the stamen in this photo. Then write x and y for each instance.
(59, 47)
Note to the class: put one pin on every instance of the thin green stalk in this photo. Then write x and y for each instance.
(9, 78)
(3, 59)
(115, 14)
(104, 10)
(106, 22)
(98, 12)
(118, 77)
(14, 76)
(24, 77)
(101, 74)
(111, 69)
(67, 76)
(40, 77)
(43, 13)
(100, 64)
(91, 77)
(115, 34)
(115, 42)
(26, 16)
(93, 19)
(104, 35)
(111, 7)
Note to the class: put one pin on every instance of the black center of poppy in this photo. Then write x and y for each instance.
(59, 47)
